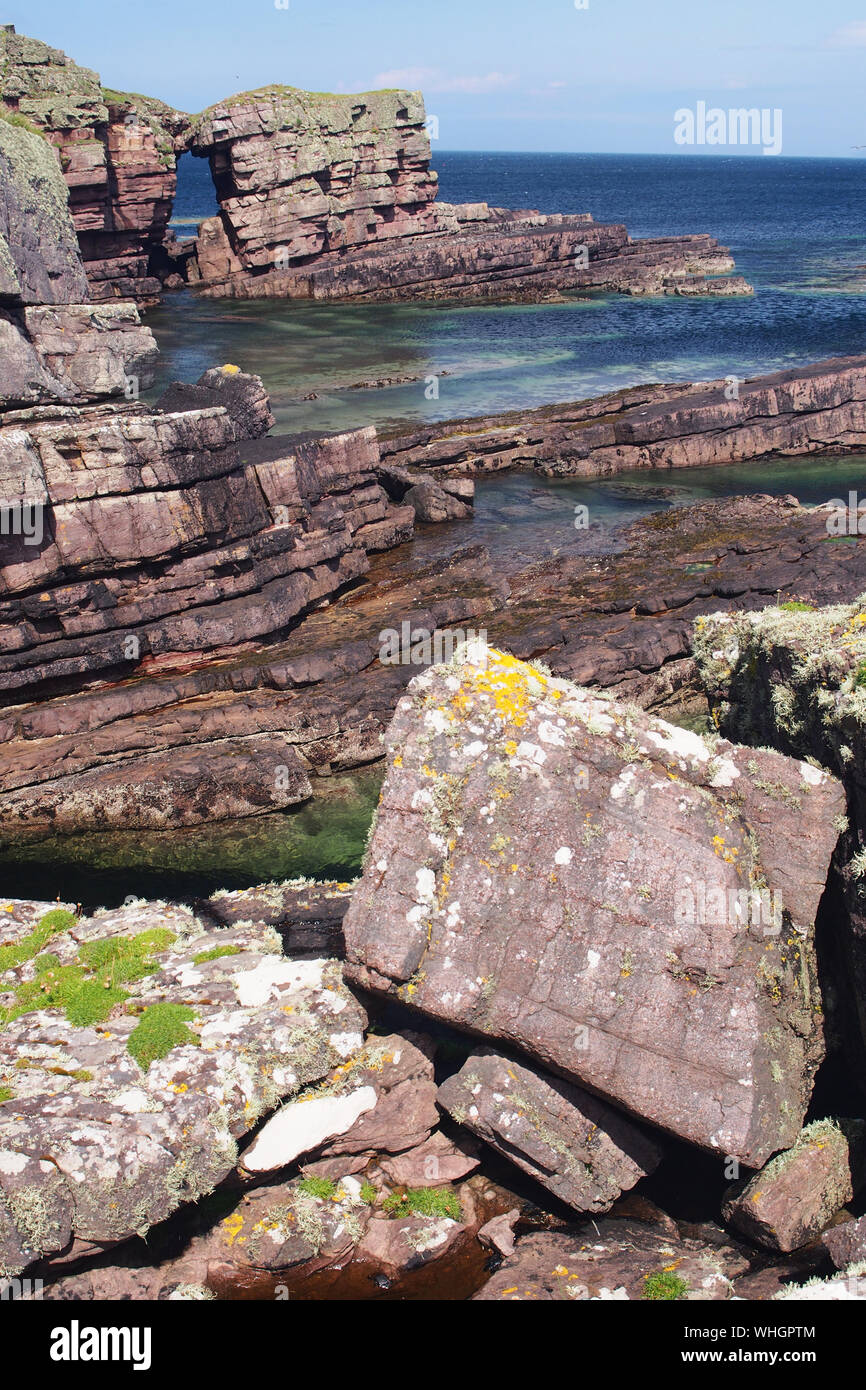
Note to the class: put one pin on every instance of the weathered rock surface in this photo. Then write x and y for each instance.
(799, 1192)
(572, 1143)
(612, 1260)
(307, 916)
(112, 1117)
(55, 348)
(382, 1099)
(620, 898)
(805, 411)
(39, 258)
(438, 1160)
(846, 1243)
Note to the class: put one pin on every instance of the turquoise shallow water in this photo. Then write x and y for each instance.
(797, 229)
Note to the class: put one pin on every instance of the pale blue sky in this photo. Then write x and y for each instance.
(499, 74)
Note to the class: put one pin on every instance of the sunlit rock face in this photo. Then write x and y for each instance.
(630, 903)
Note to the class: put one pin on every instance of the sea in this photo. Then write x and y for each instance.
(796, 229)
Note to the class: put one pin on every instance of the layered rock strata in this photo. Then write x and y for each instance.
(820, 408)
(321, 196)
(55, 345)
(117, 152)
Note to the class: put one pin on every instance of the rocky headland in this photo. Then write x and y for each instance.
(321, 197)
(586, 1024)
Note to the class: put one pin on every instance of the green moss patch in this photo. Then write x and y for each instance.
(58, 920)
(323, 1188)
(216, 953)
(424, 1201)
(88, 988)
(160, 1028)
(664, 1285)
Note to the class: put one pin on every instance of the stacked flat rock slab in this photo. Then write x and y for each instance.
(172, 537)
(582, 1150)
(805, 411)
(300, 173)
(97, 1145)
(332, 197)
(54, 346)
(117, 152)
(618, 897)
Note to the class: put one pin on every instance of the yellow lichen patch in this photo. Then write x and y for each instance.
(505, 683)
(232, 1227)
(229, 369)
(727, 852)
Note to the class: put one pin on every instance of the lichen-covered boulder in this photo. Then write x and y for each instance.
(630, 903)
(799, 1191)
(582, 1150)
(136, 1049)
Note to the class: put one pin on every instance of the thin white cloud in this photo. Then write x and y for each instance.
(434, 80)
(850, 36)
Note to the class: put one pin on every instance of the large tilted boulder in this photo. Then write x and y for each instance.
(136, 1048)
(628, 902)
(582, 1150)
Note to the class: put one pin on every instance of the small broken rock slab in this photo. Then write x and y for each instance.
(799, 1191)
(381, 1099)
(577, 1147)
(572, 876)
(438, 1160)
(610, 1260)
(102, 1150)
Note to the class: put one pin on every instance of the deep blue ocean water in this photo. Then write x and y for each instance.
(796, 227)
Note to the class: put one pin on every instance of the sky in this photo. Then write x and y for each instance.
(548, 75)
